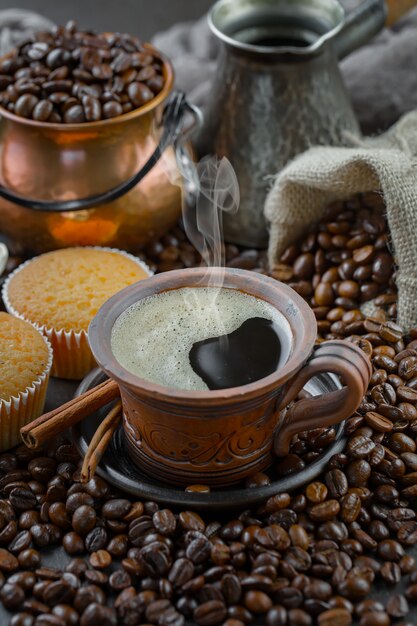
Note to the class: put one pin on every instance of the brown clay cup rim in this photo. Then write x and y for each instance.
(125, 117)
(302, 322)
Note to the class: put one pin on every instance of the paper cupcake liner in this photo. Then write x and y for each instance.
(26, 406)
(73, 358)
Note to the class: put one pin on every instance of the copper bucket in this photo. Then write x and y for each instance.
(97, 183)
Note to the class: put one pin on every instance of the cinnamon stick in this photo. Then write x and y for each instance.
(55, 422)
(100, 441)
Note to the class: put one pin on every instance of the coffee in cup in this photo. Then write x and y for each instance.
(201, 338)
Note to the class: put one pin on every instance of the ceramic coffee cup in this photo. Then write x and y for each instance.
(220, 437)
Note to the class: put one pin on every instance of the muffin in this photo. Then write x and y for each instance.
(60, 292)
(25, 361)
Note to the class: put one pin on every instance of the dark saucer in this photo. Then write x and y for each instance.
(117, 468)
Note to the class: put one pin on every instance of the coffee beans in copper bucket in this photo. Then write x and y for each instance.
(71, 76)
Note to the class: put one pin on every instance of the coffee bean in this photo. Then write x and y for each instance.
(358, 472)
(406, 394)
(139, 93)
(25, 105)
(116, 508)
(92, 108)
(400, 443)
(22, 499)
(337, 483)
(12, 596)
(378, 422)
(138, 529)
(118, 546)
(276, 616)
(390, 550)
(316, 492)
(325, 511)
(42, 110)
(191, 521)
(272, 536)
(8, 562)
(360, 446)
(40, 535)
(397, 606)
(97, 614)
(303, 266)
(299, 536)
(74, 114)
(65, 612)
(374, 618)
(96, 539)
(58, 592)
(181, 572)
(354, 588)
(112, 109)
(73, 543)
(407, 533)
(210, 613)
(335, 617)
(257, 601)
(119, 580)
(83, 519)
(164, 521)
(22, 619)
(58, 515)
(323, 295)
(350, 507)
(96, 577)
(100, 559)
(29, 559)
(85, 596)
(391, 573)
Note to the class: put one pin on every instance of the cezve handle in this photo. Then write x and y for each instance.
(339, 357)
(360, 26)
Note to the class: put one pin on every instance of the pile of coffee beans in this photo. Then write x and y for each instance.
(308, 558)
(73, 76)
(174, 252)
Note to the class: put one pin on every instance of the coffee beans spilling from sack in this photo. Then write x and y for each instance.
(343, 265)
(301, 559)
(73, 76)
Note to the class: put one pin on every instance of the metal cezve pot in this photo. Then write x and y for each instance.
(278, 91)
(96, 183)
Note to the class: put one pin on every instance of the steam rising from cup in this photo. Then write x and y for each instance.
(209, 189)
(217, 192)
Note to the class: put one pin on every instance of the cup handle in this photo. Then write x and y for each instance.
(338, 357)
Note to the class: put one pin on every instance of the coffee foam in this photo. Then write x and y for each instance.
(153, 338)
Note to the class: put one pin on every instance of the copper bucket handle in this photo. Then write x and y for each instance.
(338, 357)
(173, 133)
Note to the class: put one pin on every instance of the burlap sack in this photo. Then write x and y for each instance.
(321, 175)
